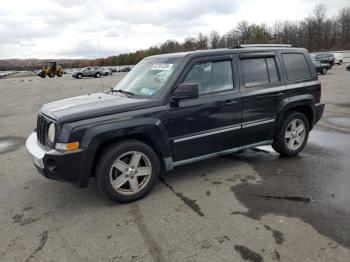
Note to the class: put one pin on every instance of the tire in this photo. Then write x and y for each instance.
(340, 62)
(115, 166)
(98, 75)
(324, 71)
(284, 145)
(79, 76)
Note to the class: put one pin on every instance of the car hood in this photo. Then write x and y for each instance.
(92, 105)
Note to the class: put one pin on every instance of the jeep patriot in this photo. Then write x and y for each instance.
(175, 109)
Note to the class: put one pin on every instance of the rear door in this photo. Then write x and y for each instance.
(262, 92)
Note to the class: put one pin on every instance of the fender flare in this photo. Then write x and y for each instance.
(152, 128)
(292, 102)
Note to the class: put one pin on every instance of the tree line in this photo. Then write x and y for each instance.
(318, 32)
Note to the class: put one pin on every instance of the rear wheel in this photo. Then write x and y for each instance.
(79, 76)
(293, 135)
(340, 62)
(127, 171)
(98, 75)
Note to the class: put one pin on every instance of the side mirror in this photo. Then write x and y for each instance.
(185, 91)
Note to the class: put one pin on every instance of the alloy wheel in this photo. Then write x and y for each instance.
(130, 173)
(295, 134)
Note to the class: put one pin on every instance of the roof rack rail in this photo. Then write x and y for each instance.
(262, 45)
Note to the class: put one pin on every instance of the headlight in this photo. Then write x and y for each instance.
(51, 133)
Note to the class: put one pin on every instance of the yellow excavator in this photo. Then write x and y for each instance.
(51, 70)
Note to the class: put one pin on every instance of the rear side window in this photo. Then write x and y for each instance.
(296, 67)
(259, 71)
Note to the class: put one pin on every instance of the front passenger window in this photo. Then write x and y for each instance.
(211, 76)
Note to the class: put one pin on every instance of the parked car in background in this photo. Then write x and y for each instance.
(106, 71)
(175, 109)
(125, 69)
(88, 72)
(321, 68)
(327, 58)
(338, 58)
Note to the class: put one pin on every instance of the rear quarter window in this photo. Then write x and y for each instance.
(296, 67)
(259, 71)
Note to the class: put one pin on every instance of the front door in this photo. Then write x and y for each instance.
(211, 122)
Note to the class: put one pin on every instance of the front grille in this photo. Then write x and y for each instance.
(41, 129)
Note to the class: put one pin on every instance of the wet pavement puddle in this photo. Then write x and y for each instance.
(10, 144)
(341, 121)
(313, 186)
(248, 254)
(337, 141)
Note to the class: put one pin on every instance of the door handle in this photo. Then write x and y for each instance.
(229, 102)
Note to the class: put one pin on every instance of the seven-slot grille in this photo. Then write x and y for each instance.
(41, 129)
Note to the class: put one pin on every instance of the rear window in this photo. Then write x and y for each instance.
(296, 67)
(259, 71)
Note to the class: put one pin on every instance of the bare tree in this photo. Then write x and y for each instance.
(243, 32)
(344, 27)
(189, 44)
(214, 39)
(202, 41)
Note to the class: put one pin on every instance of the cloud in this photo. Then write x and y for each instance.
(91, 28)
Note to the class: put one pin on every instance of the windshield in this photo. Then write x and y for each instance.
(148, 76)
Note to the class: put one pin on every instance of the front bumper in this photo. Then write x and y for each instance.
(53, 164)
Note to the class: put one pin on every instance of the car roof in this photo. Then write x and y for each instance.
(223, 51)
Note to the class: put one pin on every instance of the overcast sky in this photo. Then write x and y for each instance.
(90, 29)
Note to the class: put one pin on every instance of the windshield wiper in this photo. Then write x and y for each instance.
(122, 91)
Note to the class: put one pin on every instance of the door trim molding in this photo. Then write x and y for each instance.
(256, 123)
(225, 129)
(209, 133)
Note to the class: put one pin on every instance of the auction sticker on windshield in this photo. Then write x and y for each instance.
(162, 66)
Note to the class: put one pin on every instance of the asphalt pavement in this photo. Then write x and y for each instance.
(250, 206)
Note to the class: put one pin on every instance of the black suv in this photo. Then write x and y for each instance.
(175, 109)
(326, 58)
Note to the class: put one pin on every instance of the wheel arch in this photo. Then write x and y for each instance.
(303, 105)
(98, 139)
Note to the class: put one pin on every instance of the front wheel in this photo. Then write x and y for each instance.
(127, 171)
(98, 75)
(324, 71)
(293, 135)
(340, 62)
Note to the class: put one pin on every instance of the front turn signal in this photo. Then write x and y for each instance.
(67, 146)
